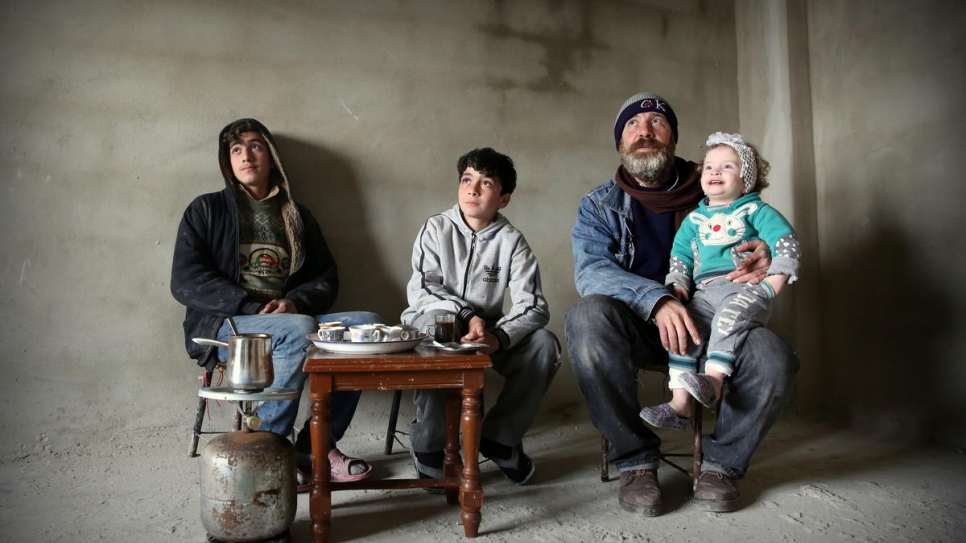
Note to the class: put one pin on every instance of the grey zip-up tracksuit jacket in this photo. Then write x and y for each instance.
(469, 273)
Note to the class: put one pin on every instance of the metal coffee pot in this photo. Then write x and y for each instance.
(250, 366)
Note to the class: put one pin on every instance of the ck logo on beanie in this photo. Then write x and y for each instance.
(653, 104)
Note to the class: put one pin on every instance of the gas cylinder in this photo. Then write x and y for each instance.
(248, 486)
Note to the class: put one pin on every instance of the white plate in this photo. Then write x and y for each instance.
(376, 347)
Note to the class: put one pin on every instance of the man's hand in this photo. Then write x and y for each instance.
(477, 334)
(278, 306)
(681, 293)
(752, 269)
(675, 325)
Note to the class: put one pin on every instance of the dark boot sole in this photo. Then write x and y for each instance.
(716, 506)
(643, 510)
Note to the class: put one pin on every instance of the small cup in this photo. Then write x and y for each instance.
(331, 331)
(408, 332)
(444, 329)
(365, 333)
(391, 333)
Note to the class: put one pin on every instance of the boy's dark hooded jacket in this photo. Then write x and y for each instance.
(205, 270)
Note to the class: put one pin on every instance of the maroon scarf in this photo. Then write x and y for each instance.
(682, 199)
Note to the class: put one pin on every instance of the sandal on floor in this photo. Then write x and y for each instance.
(341, 468)
(303, 481)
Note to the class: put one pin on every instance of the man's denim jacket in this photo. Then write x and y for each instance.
(603, 239)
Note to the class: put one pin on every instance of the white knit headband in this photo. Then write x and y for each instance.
(749, 168)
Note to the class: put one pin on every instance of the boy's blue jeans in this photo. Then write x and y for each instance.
(289, 346)
(608, 343)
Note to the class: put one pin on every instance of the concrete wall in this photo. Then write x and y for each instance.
(861, 103)
(775, 112)
(888, 81)
(110, 111)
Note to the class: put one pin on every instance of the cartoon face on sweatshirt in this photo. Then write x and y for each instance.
(722, 228)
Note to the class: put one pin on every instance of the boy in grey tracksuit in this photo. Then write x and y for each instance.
(464, 261)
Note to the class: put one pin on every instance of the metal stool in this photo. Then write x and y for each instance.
(196, 431)
(665, 457)
(391, 431)
(697, 413)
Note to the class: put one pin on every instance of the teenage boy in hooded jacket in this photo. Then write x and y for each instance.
(251, 252)
(464, 262)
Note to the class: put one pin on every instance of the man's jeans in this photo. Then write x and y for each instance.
(289, 346)
(608, 343)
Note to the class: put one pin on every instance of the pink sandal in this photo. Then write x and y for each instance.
(340, 465)
(339, 471)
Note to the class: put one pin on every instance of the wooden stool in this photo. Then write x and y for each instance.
(423, 368)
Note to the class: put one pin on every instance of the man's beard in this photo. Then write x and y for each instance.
(652, 167)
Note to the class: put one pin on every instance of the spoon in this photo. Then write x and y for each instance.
(234, 329)
(460, 346)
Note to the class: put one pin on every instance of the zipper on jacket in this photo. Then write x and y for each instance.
(469, 259)
(237, 220)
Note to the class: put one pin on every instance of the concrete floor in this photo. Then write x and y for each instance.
(809, 482)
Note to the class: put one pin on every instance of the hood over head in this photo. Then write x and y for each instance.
(278, 177)
(293, 224)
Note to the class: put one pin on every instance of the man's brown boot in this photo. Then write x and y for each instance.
(716, 493)
(640, 492)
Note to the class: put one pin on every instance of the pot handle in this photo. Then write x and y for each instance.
(212, 342)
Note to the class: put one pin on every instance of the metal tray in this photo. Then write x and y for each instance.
(376, 347)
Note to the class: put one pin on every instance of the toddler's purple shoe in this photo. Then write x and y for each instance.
(700, 386)
(663, 416)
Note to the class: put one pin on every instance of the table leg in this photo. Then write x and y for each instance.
(320, 500)
(471, 492)
(451, 460)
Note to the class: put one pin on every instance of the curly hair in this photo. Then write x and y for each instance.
(493, 164)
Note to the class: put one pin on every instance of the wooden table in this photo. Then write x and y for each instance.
(423, 368)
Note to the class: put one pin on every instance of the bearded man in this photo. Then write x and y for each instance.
(626, 318)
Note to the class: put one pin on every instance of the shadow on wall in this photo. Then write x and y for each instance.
(563, 52)
(324, 182)
(886, 321)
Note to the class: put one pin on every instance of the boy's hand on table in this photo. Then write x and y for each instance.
(477, 334)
